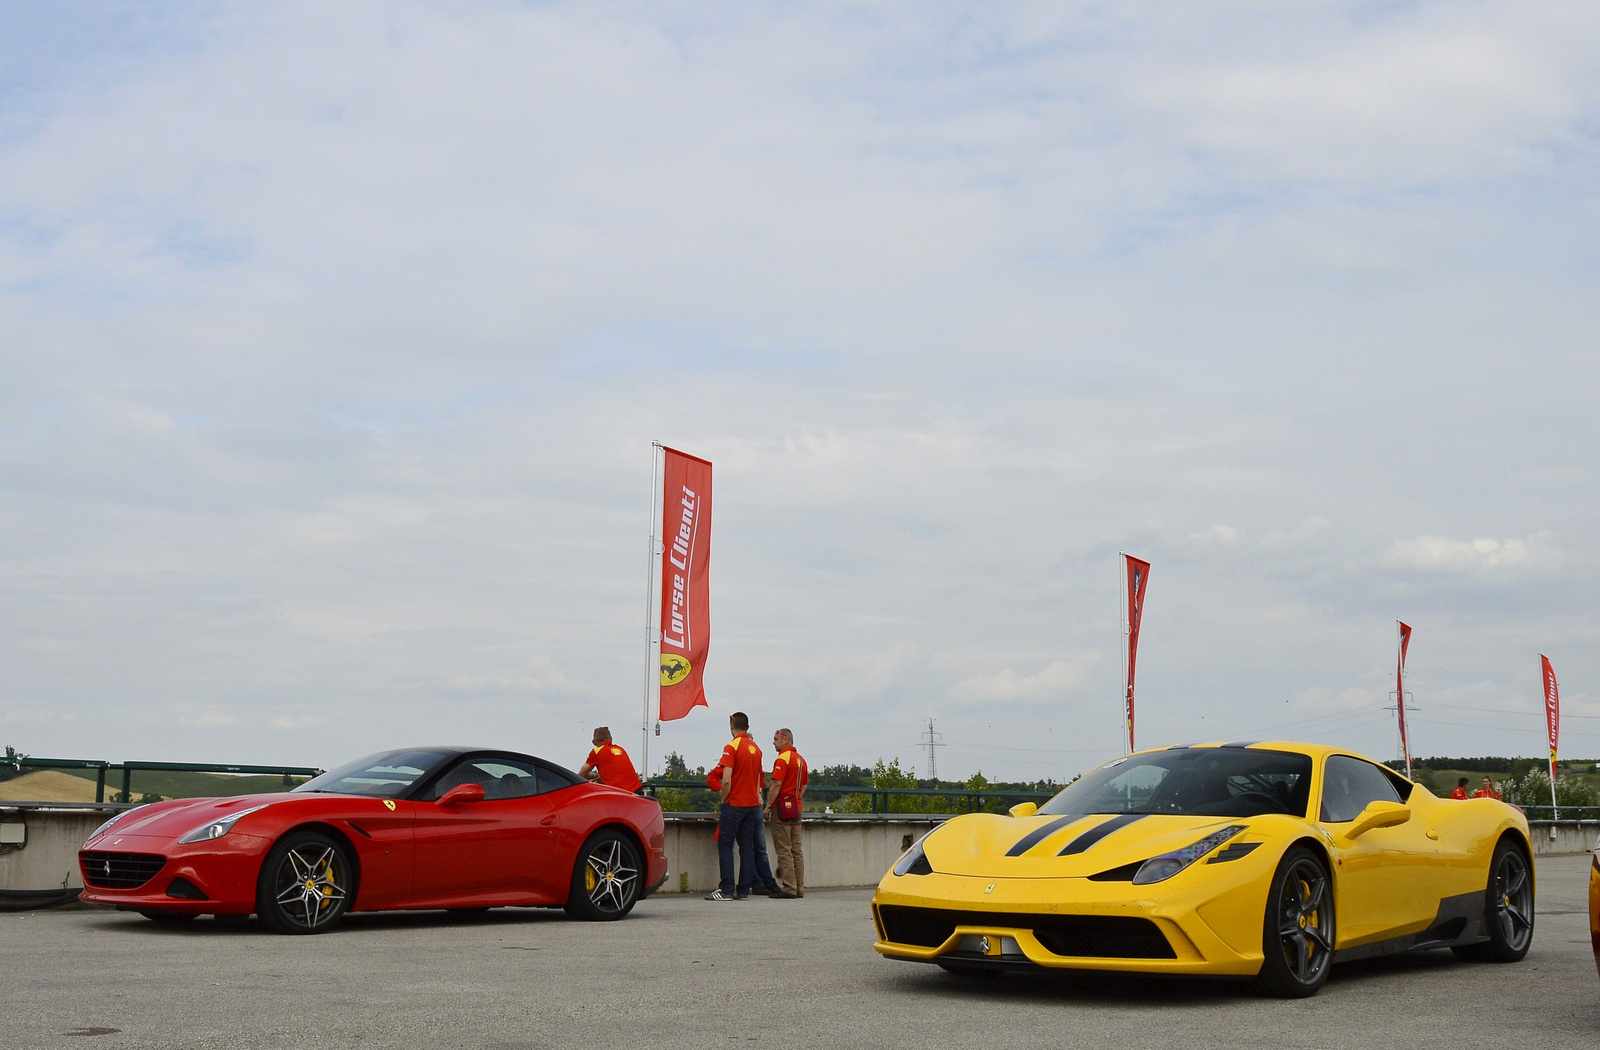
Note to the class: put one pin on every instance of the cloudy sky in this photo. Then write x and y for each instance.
(334, 339)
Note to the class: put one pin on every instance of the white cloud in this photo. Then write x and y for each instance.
(1308, 529)
(1480, 557)
(207, 718)
(299, 721)
(1323, 699)
(1224, 534)
(1055, 681)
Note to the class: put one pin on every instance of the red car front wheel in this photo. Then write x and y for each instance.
(307, 883)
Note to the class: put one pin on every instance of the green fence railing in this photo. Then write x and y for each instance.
(129, 768)
(880, 797)
(1563, 813)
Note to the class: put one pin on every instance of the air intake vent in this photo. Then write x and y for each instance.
(1082, 936)
(185, 890)
(119, 871)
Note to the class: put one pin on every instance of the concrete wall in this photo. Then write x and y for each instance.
(1571, 836)
(840, 849)
(49, 858)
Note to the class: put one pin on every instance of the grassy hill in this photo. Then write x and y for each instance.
(185, 785)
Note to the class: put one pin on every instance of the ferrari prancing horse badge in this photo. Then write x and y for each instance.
(390, 803)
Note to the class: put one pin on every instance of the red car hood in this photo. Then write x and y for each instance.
(179, 816)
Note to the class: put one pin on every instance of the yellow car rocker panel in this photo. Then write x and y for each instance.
(1264, 860)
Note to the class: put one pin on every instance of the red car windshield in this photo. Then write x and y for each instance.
(388, 774)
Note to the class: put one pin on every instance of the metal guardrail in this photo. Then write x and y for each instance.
(1562, 813)
(128, 769)
(880, 796)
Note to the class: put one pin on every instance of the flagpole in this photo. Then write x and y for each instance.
(652, 673)
(1122, 600)
(1552, 723)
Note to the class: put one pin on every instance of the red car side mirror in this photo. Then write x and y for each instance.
(461, 793)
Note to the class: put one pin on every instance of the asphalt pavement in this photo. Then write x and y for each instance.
(687, 973)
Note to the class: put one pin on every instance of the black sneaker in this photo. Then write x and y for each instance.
(741, 895)
(760, 889)
(718, 895)
(782, 895)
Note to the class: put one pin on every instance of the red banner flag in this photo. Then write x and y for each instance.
(685, 582)
(1552, 715)
(1400, 693)
(1137, 575)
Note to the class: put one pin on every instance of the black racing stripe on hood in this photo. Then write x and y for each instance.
(1099, 831)
(1039, 834)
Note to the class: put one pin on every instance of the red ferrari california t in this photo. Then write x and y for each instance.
(428, 827)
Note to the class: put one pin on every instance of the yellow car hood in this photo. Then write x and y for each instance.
(1051, 847)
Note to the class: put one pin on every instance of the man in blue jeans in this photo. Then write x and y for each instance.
(739, 817)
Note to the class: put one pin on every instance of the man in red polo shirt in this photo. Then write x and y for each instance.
(609, 764)
(785, 798)
(1461, 789)
(739, 817)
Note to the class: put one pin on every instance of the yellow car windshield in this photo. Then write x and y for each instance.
(1193, 781)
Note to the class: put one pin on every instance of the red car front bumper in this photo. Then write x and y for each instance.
(223, 871)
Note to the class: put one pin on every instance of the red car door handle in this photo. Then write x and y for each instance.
(547, 821)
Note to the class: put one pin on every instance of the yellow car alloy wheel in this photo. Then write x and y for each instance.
(1298, 934)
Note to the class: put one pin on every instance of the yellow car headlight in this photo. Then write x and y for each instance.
(1159, 869)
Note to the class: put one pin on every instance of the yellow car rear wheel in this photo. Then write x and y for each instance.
(1507, 908)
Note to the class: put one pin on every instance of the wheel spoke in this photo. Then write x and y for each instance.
(1319, 938)
(1319, 889)
(1300, 957)
(1518, 881)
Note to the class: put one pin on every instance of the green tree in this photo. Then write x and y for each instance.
(12, 766)
(685, 800)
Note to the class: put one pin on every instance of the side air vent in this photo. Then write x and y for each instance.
(1234, 852)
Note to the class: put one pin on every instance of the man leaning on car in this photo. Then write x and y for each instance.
(610, 765)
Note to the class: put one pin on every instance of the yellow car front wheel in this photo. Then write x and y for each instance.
(1297, 930)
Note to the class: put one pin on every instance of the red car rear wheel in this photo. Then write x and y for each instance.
(607, 879)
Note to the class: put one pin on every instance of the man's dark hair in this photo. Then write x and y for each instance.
(740, 721)
(1462, 782)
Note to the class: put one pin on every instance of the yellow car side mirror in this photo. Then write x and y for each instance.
(1024, 809)
(1378, 815)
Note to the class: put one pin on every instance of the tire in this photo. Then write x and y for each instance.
(1297, 931)
(168, 918)
(607, 878)
(980, 973)
(1507, 908)
(307, 883)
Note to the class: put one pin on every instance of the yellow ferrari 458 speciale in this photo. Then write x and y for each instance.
(1263, 860)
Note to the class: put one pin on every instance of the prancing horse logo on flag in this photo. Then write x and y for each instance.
(674, 668)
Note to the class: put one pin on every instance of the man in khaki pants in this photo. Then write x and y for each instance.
(785, 797)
